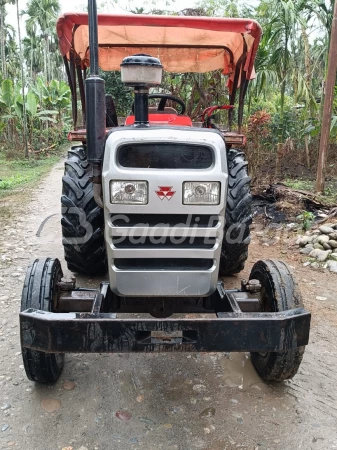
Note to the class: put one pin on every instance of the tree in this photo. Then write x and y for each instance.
(24, 118)
(283, 18)
(43, 13)
(3, 34)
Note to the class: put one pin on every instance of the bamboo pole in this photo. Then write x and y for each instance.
(328, 103)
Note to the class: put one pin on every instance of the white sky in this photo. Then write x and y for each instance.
(107, 6)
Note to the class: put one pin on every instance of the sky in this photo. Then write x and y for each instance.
(107, 6)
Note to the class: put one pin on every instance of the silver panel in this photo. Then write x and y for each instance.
(164, 283)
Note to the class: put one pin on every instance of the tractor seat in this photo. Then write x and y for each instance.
(167, 110)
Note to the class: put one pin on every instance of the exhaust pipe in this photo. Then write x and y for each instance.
(95, 107)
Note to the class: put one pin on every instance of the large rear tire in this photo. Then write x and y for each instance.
(40, 292)
(279, 292)
(82, 219)
(236, 239)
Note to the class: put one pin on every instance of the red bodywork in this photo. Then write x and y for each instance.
(164, 119)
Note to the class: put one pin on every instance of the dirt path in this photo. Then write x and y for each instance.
(176, 401)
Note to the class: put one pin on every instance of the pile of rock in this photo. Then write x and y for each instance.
(321, 245)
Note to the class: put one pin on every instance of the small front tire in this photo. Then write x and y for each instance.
(279, 292)
(40, 292)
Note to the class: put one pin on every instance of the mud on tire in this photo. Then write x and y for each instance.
(39, 292)
(82, 219)
(236, 239)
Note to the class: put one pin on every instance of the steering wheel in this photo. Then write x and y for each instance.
(163, 100)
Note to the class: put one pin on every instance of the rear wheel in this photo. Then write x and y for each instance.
(236, 239)
(40, 292)
(279, 292)
(82, 219)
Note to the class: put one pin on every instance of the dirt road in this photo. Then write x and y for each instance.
(164, 401)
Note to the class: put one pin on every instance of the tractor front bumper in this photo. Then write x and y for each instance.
(234, 326)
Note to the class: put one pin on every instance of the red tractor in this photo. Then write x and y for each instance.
(161, 204)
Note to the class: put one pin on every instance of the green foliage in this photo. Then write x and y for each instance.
(306, 218)
(46, 106)
(19, 173)
(122, 96)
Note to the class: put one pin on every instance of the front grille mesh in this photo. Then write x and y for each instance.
(170, 220)
(144, 241)
(163, 264)
(163, 242)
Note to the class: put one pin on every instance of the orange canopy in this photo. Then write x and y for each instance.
(183, 44)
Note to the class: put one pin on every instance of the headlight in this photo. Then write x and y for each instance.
(128, 192)
(201, 193)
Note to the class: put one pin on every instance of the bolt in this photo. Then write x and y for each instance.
(253, 286)
(243, 284)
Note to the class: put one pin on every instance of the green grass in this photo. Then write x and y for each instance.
(304, 185)
(19, 173)
(328, 199)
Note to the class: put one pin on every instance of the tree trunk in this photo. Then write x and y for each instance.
(328, 104)
(281, 125)
(3, 39)
(45, 61)
(24, 117)
(307, 151)
(280, 137)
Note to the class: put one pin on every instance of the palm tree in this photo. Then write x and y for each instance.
(3, 33)
(44, 14)
(33, 54)
(24, 118)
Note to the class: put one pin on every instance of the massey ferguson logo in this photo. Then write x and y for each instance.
(165, 192)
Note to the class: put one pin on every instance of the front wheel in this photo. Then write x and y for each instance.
(279, 292)
(40, 292)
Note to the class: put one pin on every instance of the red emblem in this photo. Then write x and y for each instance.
(165, 192)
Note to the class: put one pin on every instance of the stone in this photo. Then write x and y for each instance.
(303, 241)
(318, 246)
(50, 405)
(326, 246)
(320, 255)
(334, 251)
(123, 415)
(208, 412)
(333, 236)
(68, 385)
(306, 264)
(315, 265)
(309, 246)
(325, 229)
(334, 256)
(306, 250)
(332, 266)
(5, 406)
(323, 239)
(199, 387)
(332, 243)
